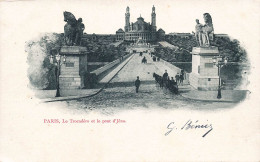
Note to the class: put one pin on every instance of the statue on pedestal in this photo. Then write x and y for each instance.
(198, 29)
(203, 32)
(73, 29)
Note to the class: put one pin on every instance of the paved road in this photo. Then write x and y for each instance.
(135, 68)
(120, 94)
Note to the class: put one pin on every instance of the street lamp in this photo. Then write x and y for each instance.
(57, 63)
(219, 62)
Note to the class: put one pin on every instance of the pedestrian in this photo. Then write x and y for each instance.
(181, 78)
(183, 73)
(161, 81)
(137, 84)
(144, 60)
(177, 78)
(174, 86)
(168, 82)
(165, 76)
(173, 81)
(171, 84)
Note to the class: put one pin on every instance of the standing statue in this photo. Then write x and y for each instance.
(198, 29)
(79, 31)
(204, 33)
(73, 29)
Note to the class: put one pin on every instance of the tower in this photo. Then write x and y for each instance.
(153, 15)
(127, 20)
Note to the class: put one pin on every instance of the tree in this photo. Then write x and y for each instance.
(40, 72)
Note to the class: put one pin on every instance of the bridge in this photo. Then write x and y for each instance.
(118, 88)
(135, 68)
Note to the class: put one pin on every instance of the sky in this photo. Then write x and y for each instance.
(24, 20)
(105, 17)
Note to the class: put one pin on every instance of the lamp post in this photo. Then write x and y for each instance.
(219, 62)
(57, 63)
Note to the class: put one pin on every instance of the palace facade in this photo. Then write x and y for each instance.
(140, 29)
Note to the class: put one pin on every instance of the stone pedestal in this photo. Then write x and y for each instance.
(70, 77)
(204, 74)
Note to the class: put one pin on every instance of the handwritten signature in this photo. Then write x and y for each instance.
(190, 125)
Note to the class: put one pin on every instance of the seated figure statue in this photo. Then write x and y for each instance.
(203, 32)
(73, 29)
(79, 31)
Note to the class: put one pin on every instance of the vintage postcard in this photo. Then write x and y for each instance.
(127, 80)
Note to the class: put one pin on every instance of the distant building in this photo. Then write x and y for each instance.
(120, 35)
(221, 35)
(99, 37)
(182, 35)
(161, 34)
(140, 29)
(189, 35)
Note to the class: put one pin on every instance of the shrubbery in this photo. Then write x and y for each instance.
(101, 50)
(41, 72)
(226, 46)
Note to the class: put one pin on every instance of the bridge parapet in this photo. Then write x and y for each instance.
(108, 66)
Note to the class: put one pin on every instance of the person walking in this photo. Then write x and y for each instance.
(174, 86)
(181, 78)
(168, 82)
(165, 76)
(137, 84)
(177, 78)
(171, 85)
(173, 81)
(144, 60)
(183, 73)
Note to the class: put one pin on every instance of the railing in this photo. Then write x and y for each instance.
(97, 63)
(109, 65)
